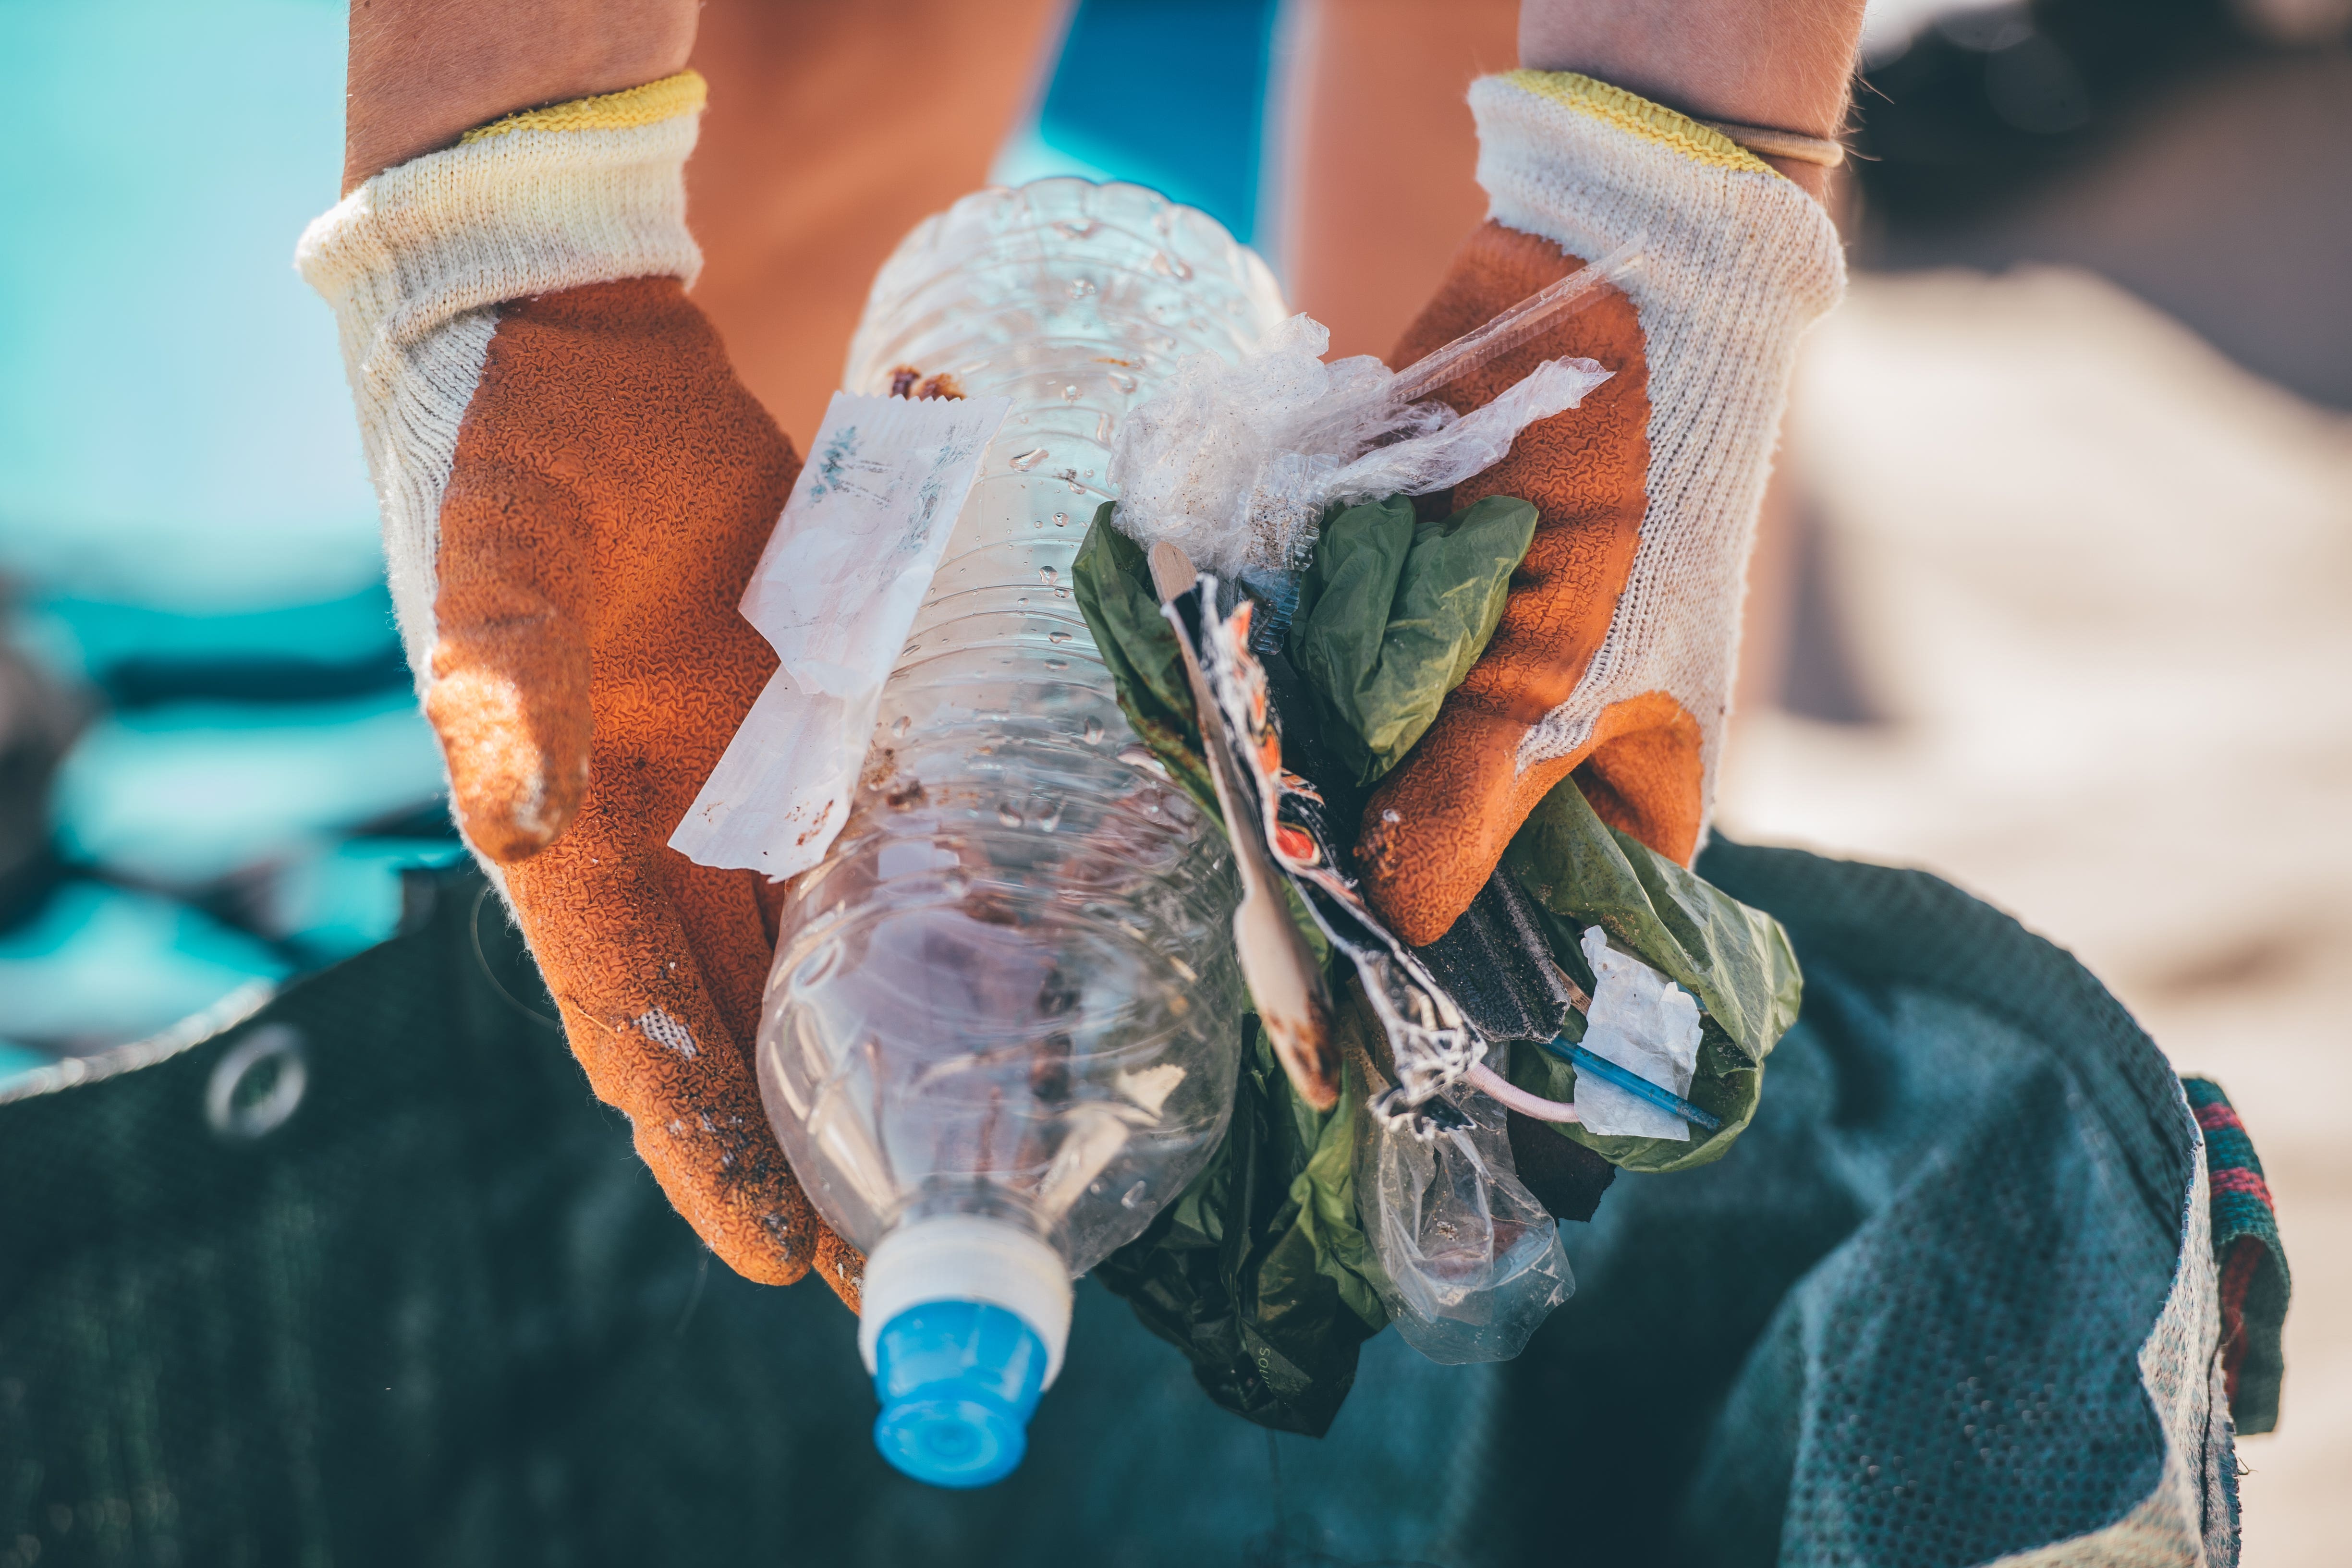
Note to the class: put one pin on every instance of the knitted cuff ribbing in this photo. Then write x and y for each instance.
(415, 262)
(1736, 262)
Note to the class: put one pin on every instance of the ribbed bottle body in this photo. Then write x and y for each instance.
(1007, 990)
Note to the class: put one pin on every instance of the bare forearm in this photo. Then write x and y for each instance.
(424, 71)
(1785, 64)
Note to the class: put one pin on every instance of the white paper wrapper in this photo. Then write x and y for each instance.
(1642, 1021)
(834, 594)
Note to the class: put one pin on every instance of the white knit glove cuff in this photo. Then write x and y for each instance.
(416, 261)
(1736, 262)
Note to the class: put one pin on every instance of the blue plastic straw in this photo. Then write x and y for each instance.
(1633, 1083)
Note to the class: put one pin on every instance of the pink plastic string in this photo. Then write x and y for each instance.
(1494, 1086)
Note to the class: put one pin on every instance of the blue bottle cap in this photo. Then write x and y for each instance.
(958, 1382)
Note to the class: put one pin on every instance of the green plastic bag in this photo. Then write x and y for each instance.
(1260, 1271)
(1392, 613)
(1112, 583)
(1734, 960)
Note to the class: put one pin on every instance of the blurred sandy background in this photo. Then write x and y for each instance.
(2065, 616)
(2091, 590)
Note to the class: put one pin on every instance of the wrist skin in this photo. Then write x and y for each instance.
(1786, 64)
(423, 72)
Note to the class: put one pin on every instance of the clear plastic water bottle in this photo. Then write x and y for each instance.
(997, 1036)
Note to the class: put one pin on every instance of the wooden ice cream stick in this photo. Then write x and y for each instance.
(1284, 980)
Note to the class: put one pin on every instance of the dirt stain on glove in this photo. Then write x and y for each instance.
(613, 487)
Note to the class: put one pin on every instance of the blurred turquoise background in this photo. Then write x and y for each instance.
(187, 537)
(1167, 93)
(174, 427)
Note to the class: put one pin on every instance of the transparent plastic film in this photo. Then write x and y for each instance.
(1236, 462)
(1472, 1261)
(1482, 345)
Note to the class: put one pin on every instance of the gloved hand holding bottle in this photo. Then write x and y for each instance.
(574, 488)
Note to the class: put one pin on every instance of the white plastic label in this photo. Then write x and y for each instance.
(1645, 1023)
(834, 594)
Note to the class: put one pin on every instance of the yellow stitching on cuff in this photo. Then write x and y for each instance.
(684, 93)
(1653, 122)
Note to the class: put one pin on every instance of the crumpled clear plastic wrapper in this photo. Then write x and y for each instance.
(1474, 1262)
(1236, 463)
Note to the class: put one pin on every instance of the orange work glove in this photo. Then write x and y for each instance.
(1614, 656)
(575, 489)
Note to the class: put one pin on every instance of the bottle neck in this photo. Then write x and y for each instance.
(967, 1258)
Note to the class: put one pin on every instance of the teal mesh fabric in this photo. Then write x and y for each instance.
(441, 1315)
(1949, 1299)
